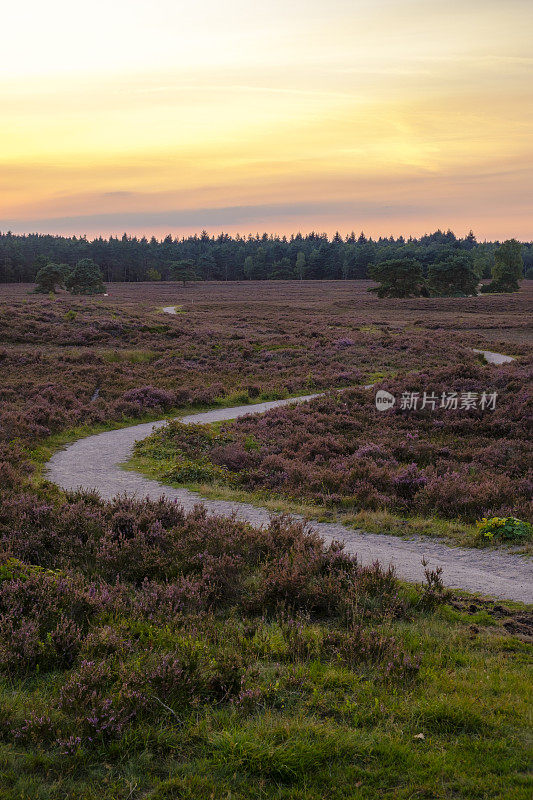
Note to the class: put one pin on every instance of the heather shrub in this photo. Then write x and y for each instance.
(338, 451)
(159, 614)
(9, 476)
(408, 481)
(102, 698)
(353, 648)
(458, 494)
(147, 398)
(234, 456)
(434, 591)
(177, 562)
(43, 617)
(168, 614)
(285, 346)
(191, 439)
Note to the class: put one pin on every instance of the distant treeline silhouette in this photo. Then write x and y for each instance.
(224, 257)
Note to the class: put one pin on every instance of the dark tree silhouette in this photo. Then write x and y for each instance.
(261, 257)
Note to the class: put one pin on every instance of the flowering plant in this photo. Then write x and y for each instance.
(507, 528)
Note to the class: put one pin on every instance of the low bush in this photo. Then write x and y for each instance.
(150, 611)
(507, 529)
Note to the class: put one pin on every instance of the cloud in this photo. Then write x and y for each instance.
(211, 217)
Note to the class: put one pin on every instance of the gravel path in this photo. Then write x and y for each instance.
(94, 463)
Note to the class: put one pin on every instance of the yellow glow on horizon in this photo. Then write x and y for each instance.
(419, 108)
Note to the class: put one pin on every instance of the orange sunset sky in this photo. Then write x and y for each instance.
(392, 116)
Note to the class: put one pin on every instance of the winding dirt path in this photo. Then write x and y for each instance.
(94, 463)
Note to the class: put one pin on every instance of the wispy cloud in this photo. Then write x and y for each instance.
(179, 219)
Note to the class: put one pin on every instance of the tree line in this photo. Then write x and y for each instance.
(223, 257)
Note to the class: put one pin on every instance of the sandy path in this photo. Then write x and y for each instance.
(94, 463)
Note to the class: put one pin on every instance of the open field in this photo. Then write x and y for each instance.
(148, 652)
(269, 339)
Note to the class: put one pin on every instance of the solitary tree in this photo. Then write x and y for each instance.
(454, 276)
(399, 277)
(183, 271)
(85, 278)
(51, 277)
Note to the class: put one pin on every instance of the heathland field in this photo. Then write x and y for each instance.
(148, 652)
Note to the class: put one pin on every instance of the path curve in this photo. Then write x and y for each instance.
(94, 463)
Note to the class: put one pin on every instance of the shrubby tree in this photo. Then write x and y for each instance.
(85, 278)
(454, 276)
(50, 277)
(400, 277)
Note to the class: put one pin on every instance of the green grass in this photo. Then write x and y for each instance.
(129, 356)
(319, 729)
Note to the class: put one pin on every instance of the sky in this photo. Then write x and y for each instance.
(161, 116)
